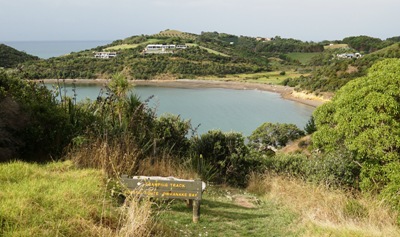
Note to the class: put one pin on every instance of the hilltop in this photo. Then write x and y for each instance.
(10, 57)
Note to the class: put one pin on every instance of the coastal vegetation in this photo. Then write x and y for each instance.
(342, 178)
(315, 66)
(10, 57)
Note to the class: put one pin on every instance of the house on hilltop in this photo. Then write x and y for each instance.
(348, 55)
(162, 48)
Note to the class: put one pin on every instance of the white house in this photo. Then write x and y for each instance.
(349, 55)
(162, 48)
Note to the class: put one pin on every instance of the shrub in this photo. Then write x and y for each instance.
(226, 152)
(36, 127)
(333, 170)
(273, 136)
(171, 134)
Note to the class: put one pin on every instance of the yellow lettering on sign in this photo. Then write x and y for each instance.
(145, 192)
(156, 184)
(178, 185)
(174, 194)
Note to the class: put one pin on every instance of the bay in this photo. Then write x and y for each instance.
(48, 49)
(214, 108)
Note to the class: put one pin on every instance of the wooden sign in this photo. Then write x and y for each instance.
(161, 187)
(167, 187)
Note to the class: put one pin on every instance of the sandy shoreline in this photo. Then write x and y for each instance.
(286, 92)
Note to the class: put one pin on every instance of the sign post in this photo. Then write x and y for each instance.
(170, 188)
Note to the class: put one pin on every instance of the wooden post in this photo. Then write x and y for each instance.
(196, 211)
(189, 203)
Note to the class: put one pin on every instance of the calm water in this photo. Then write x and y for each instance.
(228, 110)
(48, 49)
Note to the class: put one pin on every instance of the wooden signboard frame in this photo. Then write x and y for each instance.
(169, 188)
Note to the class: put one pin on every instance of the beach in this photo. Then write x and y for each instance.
(286, 92)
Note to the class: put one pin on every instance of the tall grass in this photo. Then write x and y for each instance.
(327, 211)
(138, 219)
(57, 199)
(54, 200)
(114, 156)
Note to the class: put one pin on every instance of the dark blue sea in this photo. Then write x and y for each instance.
(48, 49)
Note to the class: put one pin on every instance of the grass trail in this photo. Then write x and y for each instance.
(230, 212)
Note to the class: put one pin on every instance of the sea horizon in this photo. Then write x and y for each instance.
(46, 49)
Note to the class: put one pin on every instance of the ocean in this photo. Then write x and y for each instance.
(48, 49)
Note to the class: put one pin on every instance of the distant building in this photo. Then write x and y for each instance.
(263, 39)
(162, 48)
(348, 55)
(105, 55)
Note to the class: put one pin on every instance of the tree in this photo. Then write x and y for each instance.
(119, 87)
(364, 118)
(310, 127)
(273, 136)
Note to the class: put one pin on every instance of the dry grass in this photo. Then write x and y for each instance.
(113, 157)
(165, 167)
(138, 219)
(328, 212)
(336, 46)
(309, 96)
(121, 47)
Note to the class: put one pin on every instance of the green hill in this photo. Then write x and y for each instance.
(210, 54)
(219, 55)
(10, 57)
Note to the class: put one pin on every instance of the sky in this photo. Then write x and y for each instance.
(307, 20)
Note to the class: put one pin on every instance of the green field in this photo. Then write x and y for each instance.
(274, 77)
(209, 50)
(176, 34)
(336, 46)
(303, 58)
(121, 47)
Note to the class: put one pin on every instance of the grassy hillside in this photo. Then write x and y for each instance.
(175, 33)
(336, 46)
(58, 199)
(221, 56)
(303, 58)
(54, 200)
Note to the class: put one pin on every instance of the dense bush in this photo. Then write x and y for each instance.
(171, 134)
(271, 136)
(334, 170)
(34, 125)
(363, 118)
(228, 153)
